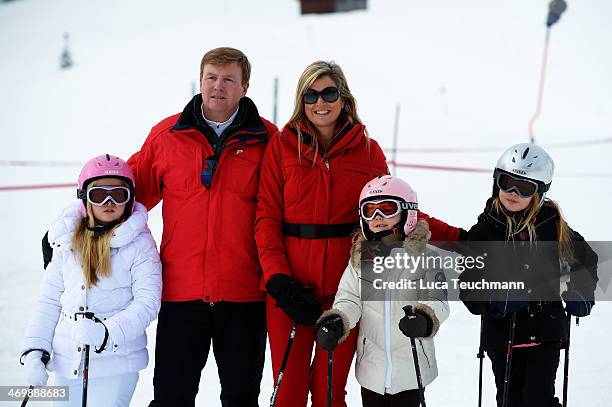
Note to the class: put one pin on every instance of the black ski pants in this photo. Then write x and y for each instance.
(408, 398)
(185, 331)
(532, 375)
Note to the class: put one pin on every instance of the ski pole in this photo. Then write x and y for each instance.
(415, 357)
(27, 396)
(329, 377)
(566, 362)
(509, 360)
(85, 377)
(480, 356)
(418, 371)
(279, 379)
(88, 315)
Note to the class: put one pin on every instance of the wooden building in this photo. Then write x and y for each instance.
(331, 6)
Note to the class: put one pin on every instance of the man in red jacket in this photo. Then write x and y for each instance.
(204, 164)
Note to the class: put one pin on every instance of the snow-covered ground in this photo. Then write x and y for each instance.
(465, 74)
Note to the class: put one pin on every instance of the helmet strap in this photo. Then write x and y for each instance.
(99, 230)
(397, 229)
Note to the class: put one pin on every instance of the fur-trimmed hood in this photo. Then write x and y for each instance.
(414, 244)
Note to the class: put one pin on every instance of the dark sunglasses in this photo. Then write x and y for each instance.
(329, 94)
(523, 187)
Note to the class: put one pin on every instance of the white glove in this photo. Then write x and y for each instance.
(36, 373)
(88, 332)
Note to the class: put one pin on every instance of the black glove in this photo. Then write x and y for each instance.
(329, 331)
(576, 304)
(47, 250)
(504, 302)
(415, 324)
(292, 297)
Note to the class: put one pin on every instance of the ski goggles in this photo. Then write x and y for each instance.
(387, 208)
(329, 94)
(100, 195)
(523, 187)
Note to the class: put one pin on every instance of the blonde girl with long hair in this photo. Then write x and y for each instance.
(525, 329)
(99, 293)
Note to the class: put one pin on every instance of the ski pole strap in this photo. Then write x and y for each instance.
(45, 355)
(322, 231)
(93, 317)
(105, 341)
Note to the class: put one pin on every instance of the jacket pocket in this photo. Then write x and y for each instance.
(183, 171)
(424, 353)
(240, 169)
(166, 238)
(361, 350)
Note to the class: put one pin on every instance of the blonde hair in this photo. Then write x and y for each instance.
(93, 251)
(224, 56)
(313, 72)
(564, 233)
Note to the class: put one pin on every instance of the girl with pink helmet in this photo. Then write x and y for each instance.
(99, 293)
(392, 321)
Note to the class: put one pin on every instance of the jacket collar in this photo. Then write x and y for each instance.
(545, 215)
(347, 136)
(247, 121)
(62, 229)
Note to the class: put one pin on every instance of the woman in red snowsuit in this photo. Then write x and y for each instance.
(310, 179)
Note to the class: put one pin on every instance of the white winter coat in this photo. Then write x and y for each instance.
(126, 302)
(384, 362)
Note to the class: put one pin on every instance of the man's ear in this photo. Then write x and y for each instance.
(245, 87)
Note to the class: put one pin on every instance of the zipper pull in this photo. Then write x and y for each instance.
(326, 161)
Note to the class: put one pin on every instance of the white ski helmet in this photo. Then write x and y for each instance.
(528, 161)
(392, 188)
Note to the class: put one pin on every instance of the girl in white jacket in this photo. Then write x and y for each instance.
(100, 292)
(385, 367)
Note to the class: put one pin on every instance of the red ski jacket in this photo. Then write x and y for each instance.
(294, 191)
(208, 248)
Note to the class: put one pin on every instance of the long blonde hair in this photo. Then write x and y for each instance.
(313, 72)
(564, 233)
(93, 251)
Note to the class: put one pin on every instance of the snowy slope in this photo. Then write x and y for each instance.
(465, 76)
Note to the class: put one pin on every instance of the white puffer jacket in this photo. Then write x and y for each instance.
(126, 302)
(384, 361)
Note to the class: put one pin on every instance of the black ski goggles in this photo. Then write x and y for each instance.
(100, 195)
(523, 187)
(329, 94)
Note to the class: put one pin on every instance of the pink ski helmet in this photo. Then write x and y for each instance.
(104, 166)
(389, 187)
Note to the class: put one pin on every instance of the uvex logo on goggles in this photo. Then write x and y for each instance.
(387, 208)
(523, 187)
(329, 94)
(100, 195)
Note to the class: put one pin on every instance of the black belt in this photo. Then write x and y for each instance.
(319, 231)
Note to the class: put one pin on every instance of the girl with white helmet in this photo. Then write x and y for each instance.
(385, 366)
(98, 295)
(523, 330)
